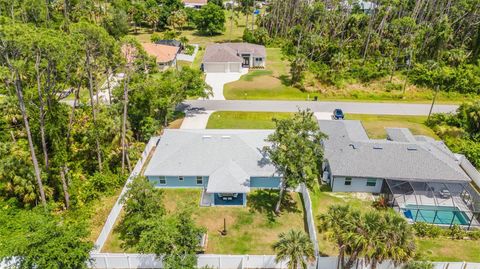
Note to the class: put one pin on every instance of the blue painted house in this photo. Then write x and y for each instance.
(225, 164)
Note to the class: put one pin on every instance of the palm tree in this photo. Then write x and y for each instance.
(340, 224)
(375, 236)
(391, 238)
(296, 247)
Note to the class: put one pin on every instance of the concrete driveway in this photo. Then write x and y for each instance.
(196, 119)
(218, 80)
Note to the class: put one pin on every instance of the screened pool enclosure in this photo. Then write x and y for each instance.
(441, 203)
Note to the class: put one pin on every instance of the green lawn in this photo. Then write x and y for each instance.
(244, 120)
(445, 249)
(374, 124)
(251, 230)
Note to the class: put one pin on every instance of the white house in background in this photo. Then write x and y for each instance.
(197, 4)
(232, 57)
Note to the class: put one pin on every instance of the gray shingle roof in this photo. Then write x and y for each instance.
(204, 152)
(230, 52)
(350, 152)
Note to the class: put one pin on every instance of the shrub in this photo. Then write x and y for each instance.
(389, 87)
(418, 265)
(456, 232)
(380, 203)
(474, 235)
(257, 36)
(189, 49)
(155, 37)
(424, 229)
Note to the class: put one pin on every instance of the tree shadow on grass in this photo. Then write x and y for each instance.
(285, 79)
(264, 201)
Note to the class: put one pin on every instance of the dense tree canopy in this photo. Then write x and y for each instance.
(67, 136)
(439, 41)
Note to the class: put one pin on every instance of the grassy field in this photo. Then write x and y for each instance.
(374, 124)
(235, 35)
(251, 230)
(273, 84)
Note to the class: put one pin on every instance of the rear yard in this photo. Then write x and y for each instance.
(251, 230)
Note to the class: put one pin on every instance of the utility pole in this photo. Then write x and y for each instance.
(433, 101)
(231, 19)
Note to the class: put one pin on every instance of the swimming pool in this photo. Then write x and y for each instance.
(436, 214)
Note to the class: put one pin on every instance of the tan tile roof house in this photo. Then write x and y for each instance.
(165, 55)
(231, 57)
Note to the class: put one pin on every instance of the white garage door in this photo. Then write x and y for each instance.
(214, 67)
(234, 67)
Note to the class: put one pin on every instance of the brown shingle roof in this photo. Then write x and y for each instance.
(229, 52)
(163, 53)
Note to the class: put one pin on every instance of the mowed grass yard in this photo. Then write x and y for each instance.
(251, 230)
(374, 124)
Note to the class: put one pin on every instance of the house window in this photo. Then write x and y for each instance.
(371, 182)
(162, 181)
(348, 181)
(180, 178)
(199, 180)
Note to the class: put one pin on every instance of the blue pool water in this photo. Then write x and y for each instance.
(436, 214)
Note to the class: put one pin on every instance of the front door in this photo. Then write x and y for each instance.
(246, 61)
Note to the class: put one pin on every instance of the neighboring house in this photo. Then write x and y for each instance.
(232, 57)
(197, 4)
(420, 176)
(365, 6)
(166, 55)
(170, 42)
(225, 164)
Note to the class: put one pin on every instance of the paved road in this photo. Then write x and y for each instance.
(292, 106)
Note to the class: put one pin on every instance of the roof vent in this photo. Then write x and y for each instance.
(206, 136)
(377, 147)
(226, 137)
(412, 148)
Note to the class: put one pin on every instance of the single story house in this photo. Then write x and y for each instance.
(232, 57)
(225, 164)
(196, 4)
(418, 175)
(166, 56)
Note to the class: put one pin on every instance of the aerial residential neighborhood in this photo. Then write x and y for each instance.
(273, 134)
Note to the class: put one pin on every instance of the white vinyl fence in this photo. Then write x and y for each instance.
(130, 261)
(309, 214)
(112, 217)
(186, 57)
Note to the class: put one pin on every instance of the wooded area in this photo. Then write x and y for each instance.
(67, 137)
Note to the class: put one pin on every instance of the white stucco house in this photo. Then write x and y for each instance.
(232, 57)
